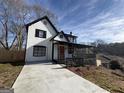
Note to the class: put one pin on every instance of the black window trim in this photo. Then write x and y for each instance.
(39, 46)
(37, 33)
(61, 36)
(70, 49)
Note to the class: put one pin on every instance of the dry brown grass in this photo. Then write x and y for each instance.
(103, 77)
(9, 73)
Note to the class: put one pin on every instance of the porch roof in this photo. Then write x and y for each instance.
(73, 44)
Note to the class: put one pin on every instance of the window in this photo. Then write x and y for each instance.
(70, 49)
(39, 51)
(40, 33)
(45, 22)
(61, 36)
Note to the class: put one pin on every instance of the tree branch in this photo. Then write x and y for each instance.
(3, 44)
(13, 42)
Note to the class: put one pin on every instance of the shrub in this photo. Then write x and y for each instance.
(115, 64)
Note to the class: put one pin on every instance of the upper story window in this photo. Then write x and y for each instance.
(61, 36)
(45, 22)
(40, 33)
(72, 39)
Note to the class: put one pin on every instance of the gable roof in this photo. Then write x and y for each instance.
(45, 17)
(63, 35)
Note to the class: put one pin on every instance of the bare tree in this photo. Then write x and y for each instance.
(10, 17)
(98, 42)
(4, 20)
(14, 14)
(40, 11)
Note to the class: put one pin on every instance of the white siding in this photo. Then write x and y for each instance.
(72, 39)
(66, 51)
(67, 55)
(60, 39)
(55, 52)
(32, 40)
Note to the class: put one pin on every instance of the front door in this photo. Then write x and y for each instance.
(61, 53)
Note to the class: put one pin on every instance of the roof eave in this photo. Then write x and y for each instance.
(45, 17)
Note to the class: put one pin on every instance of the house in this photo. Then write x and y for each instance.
(45, 42)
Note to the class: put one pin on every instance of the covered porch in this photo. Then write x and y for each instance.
(73, 54)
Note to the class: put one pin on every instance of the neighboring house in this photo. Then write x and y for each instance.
(45, 42)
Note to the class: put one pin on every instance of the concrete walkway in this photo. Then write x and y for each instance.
(52, 78)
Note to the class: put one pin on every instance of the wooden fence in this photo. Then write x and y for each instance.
(11, 56)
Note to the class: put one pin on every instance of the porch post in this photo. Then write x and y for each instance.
(52, 51)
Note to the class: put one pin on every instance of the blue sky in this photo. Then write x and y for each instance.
(89, 19)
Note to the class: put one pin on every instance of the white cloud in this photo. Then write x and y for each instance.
(69, 11)
(91, 5)
(110, 31)
(108, 26)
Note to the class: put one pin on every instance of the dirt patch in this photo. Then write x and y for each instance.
(110, 80)
(9, 73)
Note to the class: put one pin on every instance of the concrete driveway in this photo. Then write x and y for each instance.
(52, 78)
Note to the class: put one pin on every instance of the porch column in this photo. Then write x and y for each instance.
(52, 51)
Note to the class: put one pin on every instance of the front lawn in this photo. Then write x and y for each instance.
(105, 78)
(9, 73)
